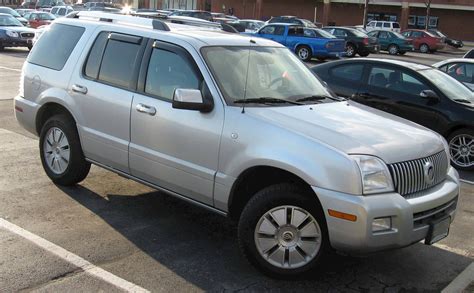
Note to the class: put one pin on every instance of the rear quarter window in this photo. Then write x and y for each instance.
(352, 72)
(55, 46)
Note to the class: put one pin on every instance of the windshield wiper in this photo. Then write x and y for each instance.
(266, 100)
(462, 101)
(317, 98)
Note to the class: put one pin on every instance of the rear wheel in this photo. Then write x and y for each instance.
(61, 152)
(304, 53)
(282, 231)
(365, 54)
(393, 49)
(461, 148)
(424, 48)
(350, 50)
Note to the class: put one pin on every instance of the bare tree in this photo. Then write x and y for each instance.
(428, 8)
(366, 8)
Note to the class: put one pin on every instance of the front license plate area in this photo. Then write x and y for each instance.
(438, 230)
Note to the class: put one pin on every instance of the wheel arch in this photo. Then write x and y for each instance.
(49, 109)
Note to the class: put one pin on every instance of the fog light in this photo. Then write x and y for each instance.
(382, 224)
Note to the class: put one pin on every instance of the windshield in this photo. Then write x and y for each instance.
(256, 72)
(9, 11)
(9, 21)
(324, 34)
(452, 88)
(358, 33)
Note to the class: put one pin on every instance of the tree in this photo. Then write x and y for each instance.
(428, 8)
(366, 8)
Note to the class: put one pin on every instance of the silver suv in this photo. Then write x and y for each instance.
(237, 125)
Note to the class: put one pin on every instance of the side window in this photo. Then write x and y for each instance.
(396, 80)
(279, 30)
(396, 25)
(296, 31)
(55, 46)
(62, 11)
(340, 33)
(406, 34)
(416, 34)
(118, 61)
(54, 10)
(373, 34)
(95, 56)
(386, 24)
(168, 71)
(268, 30)
(352, 72)
(309, 33)
(444, 68)
(461, 71)
(383, 35)
(371, 24)
(378, 24)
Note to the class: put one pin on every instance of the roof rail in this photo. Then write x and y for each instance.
(160, 23)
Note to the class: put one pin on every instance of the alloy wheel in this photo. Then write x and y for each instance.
(288, 237)
(461, 148)
(56, 150)
(303, 53)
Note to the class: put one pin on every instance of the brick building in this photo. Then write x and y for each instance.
(453, 17)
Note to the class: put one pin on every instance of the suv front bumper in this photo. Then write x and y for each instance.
(411, 216)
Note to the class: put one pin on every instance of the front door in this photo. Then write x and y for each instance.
(173, 148)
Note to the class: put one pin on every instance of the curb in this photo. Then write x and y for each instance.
(462, 282)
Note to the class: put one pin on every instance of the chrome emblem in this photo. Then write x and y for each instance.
(429, 172)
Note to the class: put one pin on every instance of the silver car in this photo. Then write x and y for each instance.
(237, 125)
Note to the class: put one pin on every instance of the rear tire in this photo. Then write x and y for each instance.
(424, 48)
(304, 53)
(364, 54)
(350, 50)
(461, 148)
(295, 239)
(61, 152)
(393, 49)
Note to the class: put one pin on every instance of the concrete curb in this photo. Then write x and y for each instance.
(462, 282)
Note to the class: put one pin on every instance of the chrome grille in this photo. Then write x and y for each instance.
(27, 35)
(409, 177)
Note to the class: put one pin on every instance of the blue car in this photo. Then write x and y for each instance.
(13, 33)
(305, 42)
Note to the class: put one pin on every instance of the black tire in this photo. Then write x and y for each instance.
(77, 167)
(424, 48)
(365, 54)
(402, 52)
(29, 47)
(322, 59)
(455, 160)
(351, 50)
(393, 49)
(265, 200)
(304, 53)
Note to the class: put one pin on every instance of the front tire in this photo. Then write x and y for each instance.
(282, 231)
(61, 152)
(350, 50)
(393, 49)
(304, 53)
(461, 148)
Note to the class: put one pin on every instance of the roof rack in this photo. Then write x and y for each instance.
(155, 23)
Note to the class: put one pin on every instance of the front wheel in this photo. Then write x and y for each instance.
(61, 152)
(350, 50)
(393, 49)
(304, 53)
(282, 231)
(461, 148)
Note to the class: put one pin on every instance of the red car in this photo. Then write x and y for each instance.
(424, 41)
(38, 18)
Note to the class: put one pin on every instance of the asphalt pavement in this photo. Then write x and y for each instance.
(111, 234)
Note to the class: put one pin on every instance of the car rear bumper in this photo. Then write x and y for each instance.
(25, 113)
(410, 217)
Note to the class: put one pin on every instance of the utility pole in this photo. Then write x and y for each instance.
(366, 7)
(428, 12)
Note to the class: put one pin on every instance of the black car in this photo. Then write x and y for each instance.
(357, 42)
(451, 42)
(420, 93)
(206, 15)
(13, 33)
(292, 20)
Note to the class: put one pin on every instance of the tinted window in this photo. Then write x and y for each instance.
(416, 34)
(384, 35)
(378, 24)
(168, 71)
(62, 11)
(273, 30)
(340, 33)
(461, 71)
(386, 24)
(396, 80)
(55, 46)
(296, 31)
(95, 56)
(396, 25)
(46, 16)
(348, 72)
(406, 34)
(118, 62)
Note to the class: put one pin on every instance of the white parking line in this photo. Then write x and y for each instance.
(71, 258)
(8, 68)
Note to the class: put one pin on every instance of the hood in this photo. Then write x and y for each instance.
(355, 129)
(18, 29)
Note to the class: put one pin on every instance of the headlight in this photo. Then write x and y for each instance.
(12, 34)
(375, 175)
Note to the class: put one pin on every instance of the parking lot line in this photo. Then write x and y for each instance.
(467, 181)
(8, 68)
(73, 259)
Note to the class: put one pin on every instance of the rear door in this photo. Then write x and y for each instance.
(384, 39)
(346, 79)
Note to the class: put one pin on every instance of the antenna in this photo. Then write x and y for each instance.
(247, 75)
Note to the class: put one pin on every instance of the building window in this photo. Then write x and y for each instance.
(412, 20)
(433, 21)
(420, 20)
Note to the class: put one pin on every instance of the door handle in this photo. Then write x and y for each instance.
(79, 89)
(146, 109)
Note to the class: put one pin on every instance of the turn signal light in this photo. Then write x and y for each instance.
(341, 215)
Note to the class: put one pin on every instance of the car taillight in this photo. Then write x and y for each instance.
(366, 41)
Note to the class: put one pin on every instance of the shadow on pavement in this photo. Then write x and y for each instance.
(201, 248)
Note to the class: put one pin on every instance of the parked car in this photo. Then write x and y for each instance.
(251, 25)
(46, 5)
(60, 11)
(469, 54)
(420, 93)
(265, 143)
(23, 11)
(451, 42)
(305, 45)
(206, 15)
(13, 33)
(461, 69)
(39, 32)
(8, 10)
(383, 25)
(424, 41)
(392, 42)
(36, 19)
(292, 20)
(28, 4)
(356, 41)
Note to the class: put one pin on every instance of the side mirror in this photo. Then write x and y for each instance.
(191, 99)
(429, 94)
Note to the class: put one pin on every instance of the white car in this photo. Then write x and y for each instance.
(383, 25)
(252, 25)
(462, 69)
